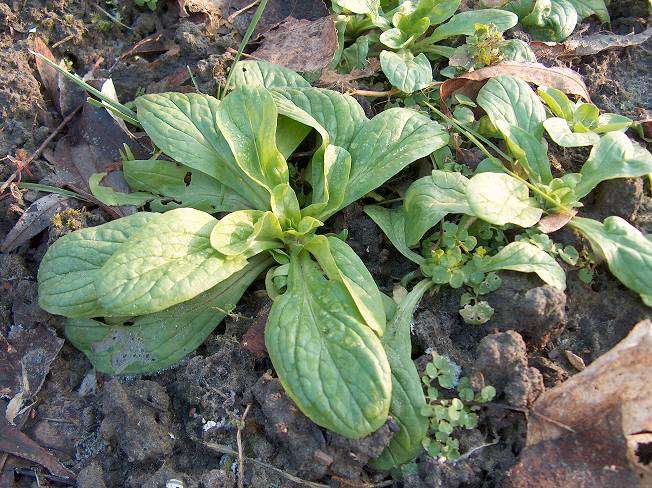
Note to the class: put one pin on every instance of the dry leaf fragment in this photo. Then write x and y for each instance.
(276, 12)
(331, 78)
(36, 218)
(575, 361)
(563, 79)
(299, 44)
(588, 45)
(15, 442)
(554, 222)
(609, 408)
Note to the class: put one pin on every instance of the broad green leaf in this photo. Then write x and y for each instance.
(519, 51)
(289, 135)
(267, 75)
(586, 115)
(177, 186)
(328, 360)
(168, 261)
(614, 156)
(430, 199)
(109, 196)
(558, 102)
(407, 393)
(370, 7)
(340, 115)
(531, 153)
(510, 101)
(67, 274)
(405, 71)
(396, 39)
(340, 262)
(612, 122)
(388, 143)
(586, 8)
(627, 251)
(527, 258)
(246, 233)
(247, 119)
(159, 340)
(559, 131)
(329, 187)
(501, 199)
(355, 56)
(183, 126)
(285, 205)
(392, 223)
(551, 20)
(463, 24)
(443, 10)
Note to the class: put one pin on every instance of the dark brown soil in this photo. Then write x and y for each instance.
(147, 431)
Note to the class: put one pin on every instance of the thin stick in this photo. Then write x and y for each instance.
(89, 196)
(238, 438)
(372, 93)
(225, 450)
(65, 39)
(232, 17)
(47, 141)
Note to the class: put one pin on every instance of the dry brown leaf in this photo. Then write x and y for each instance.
(588, 45)
(331, 77)
(608, 406)
(299, 44)
(276, 12)
(553, 222)
(25, 358)
(36, 218)
(154, 44)
(13, 441)
(563, 79)
(254, 339)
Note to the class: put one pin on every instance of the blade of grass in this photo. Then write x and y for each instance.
(52, 189)
(245, 40)
(93, 91)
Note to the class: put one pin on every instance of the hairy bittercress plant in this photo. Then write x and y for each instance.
(143, 291)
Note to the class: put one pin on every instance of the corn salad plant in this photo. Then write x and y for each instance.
(143, 291)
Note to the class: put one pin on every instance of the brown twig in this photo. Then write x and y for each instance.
(232, 17)
(24, 164)
(238, 438)
(88, 196)
(47, 141)
(65, 39)
(226, 450)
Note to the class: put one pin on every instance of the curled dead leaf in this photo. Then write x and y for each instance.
(275, 13)
(563, 79)
(554, 222)
(608, 409)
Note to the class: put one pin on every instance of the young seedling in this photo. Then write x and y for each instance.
(447, 411)
(143, 291)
